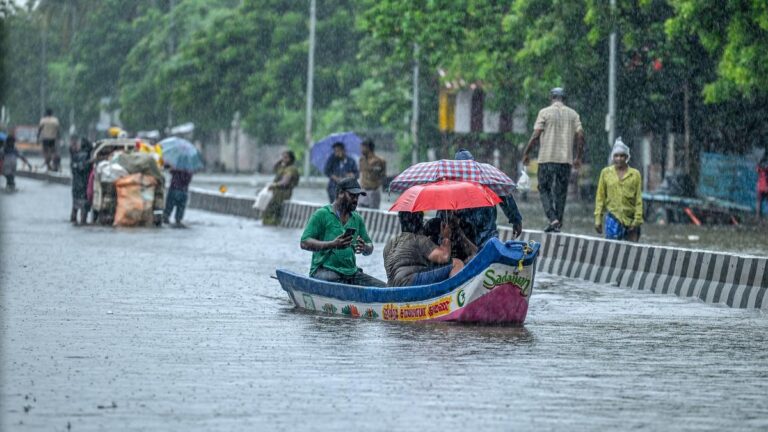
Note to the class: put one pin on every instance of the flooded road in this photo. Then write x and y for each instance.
(183, 329)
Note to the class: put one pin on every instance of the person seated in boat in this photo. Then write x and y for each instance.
(334, 234)
(484, 218)
(461, 231)
(411, 258)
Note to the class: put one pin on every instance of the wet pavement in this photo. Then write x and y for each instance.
(183, 329)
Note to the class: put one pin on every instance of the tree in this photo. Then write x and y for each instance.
(735, 34)
(147, 78)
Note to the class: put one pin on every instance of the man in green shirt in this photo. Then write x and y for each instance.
(334, 234)
(619, 199)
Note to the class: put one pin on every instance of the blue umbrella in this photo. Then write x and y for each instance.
(322, 149)
(181, 154)
(3, 136)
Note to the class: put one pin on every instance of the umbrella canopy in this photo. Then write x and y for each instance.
(181, 154)
(322, 149)
(445, 195)
(450, 169)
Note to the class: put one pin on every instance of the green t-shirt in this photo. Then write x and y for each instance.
(324, 225)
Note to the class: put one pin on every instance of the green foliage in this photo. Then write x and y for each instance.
(734, 33)
(5, 10)
(205, 60)
(147, 78)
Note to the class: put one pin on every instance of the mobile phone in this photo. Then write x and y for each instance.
(350, 232)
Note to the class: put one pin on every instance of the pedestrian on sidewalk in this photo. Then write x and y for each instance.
(373, 172)
(47, 134)
(339, 167)
(762, 183)
(177, 196)
(286, 178)
(9, 157)
(555, 132)
(619, 199)
(80, 165)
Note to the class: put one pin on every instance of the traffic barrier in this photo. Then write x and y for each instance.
(716, 278)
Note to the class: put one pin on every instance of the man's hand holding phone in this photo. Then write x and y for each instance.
(344, 240)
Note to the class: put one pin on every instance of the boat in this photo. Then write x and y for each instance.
(494, 287)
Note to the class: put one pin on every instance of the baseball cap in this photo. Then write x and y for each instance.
(557, 91)
(350, 185)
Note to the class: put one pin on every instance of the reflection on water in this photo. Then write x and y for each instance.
(589, 357)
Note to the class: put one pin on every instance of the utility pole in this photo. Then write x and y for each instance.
(415, 107)
(610, 121)
(236, 128)
(73, 26)
(171, 50)
(44, 66)
(310, 79)
(687, 128)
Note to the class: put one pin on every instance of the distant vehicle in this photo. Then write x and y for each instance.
(26, 140)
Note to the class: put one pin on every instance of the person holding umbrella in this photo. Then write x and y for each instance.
(184, 160)
(178, 196)
(483, 219)
(339, 167)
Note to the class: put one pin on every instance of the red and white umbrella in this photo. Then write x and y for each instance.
(445, 195)
(450, 169)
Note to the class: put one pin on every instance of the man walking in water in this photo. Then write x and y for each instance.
(556, 129)
(47, 134)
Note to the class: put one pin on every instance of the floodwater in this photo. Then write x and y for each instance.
(183, 329)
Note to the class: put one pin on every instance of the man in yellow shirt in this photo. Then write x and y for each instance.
(619, 199)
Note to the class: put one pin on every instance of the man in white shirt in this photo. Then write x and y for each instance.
(556, 130)
(47, 134)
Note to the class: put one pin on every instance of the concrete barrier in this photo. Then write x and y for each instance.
(716, 278)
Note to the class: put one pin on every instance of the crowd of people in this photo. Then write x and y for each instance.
(430, 251)
(424, 252)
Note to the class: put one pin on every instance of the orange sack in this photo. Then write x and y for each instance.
(135, 198)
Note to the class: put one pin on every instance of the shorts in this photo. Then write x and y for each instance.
(49, 144)
(435, 275)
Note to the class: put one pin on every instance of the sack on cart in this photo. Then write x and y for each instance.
(135, 200)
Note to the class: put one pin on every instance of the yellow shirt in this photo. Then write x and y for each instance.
(622, 198)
